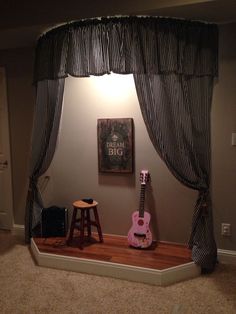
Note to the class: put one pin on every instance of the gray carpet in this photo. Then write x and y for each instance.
(26, 288)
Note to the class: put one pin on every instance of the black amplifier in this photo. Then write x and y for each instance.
(54, 222)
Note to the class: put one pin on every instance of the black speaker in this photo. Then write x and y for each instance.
(54, 222)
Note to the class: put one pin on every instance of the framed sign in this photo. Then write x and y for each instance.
(115, 145)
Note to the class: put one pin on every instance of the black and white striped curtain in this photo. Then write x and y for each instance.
(176, 110)
(174, 63)
(45, 130)
(126, 45)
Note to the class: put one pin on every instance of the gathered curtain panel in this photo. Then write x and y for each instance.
(176, 111)
(174, 63)
(45, 130)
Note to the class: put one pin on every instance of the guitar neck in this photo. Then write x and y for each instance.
(142, 200)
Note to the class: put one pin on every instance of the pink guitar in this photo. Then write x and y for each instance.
(139, 235)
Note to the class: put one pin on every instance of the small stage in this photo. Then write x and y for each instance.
(161, 264)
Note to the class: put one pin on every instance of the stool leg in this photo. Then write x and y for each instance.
(72, 226)
(98, 224)
(82, 229)
(88, 222)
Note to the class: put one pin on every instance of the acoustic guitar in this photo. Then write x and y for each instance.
(139, 235)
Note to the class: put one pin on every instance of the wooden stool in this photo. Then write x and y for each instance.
(84, 221)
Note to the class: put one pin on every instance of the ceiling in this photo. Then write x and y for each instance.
(22, 22)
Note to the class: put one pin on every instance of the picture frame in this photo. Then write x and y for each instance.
(115, 145)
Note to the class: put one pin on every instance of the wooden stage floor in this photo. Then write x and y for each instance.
(115, 249)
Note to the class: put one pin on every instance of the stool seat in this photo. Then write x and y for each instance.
(84, 221)
(82, 204)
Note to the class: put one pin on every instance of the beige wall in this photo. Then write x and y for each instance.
(74, 173)
(75, 167)
(223, 124)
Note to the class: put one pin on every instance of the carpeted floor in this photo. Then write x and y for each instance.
(26, 288)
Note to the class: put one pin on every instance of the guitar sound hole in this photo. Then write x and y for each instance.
(140, 235)
(140, 222)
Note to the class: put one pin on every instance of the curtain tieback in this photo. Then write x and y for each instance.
(201, 211)
(32, 184)
(203, 202)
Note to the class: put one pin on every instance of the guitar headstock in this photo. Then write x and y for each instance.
(144, 176)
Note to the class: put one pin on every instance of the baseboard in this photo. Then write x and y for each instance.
(226, 256)
(18, 231)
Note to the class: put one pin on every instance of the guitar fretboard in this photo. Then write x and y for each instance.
(142, 200)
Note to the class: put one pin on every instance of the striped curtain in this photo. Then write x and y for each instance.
(45, 130)
(176, 110)
(174, 63)
(126, 45)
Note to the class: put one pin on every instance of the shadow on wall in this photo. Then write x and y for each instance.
(150, 201)
(117, 179)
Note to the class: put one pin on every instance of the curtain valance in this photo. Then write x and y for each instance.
(138, 45)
